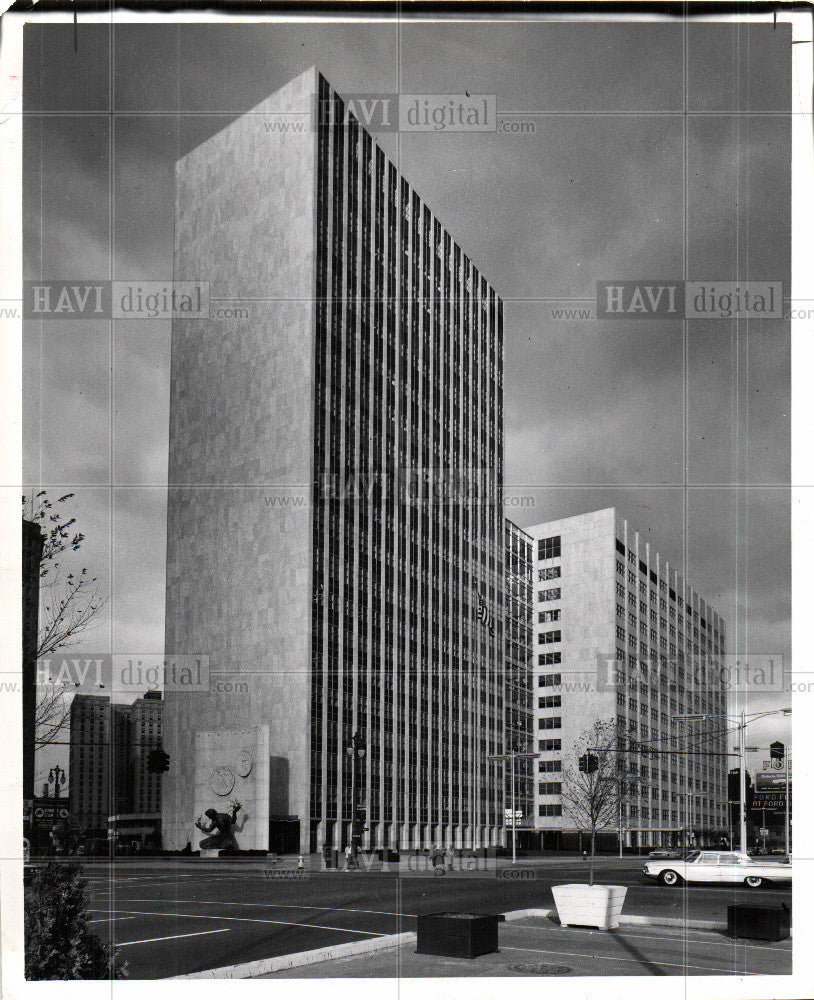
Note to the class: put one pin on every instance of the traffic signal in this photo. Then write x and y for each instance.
(158, 761)
(734, 787)
(589, 763)
(777, 751)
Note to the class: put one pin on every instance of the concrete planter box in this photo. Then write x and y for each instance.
(589, 905)
(761, 923)
(457, 935)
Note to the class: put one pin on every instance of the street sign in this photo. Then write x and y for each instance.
(45, 814)
(764, 832)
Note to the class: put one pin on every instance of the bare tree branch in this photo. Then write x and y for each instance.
(592, 798)
(69, 604)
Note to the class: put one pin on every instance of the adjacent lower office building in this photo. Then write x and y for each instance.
(519, 787)
(338, 585)
(620, 637)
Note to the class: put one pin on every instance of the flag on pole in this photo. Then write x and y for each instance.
(484, 616)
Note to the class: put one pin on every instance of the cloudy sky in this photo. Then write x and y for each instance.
(690, 439)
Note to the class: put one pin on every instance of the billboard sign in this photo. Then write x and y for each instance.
(769, 801)
(770, 782)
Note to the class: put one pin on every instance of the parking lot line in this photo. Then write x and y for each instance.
(107, 919)
(277, 906)
(172, 937)
(245, 920)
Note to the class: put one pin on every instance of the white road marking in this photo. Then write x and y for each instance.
(107, 920)
(247, 920)
(273, 906)
(172, 937)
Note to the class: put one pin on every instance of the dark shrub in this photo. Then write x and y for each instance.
(58, 944)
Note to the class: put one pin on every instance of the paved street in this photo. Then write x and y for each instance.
(174, 917)
(538, 947)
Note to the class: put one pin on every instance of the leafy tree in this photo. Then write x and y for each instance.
(592, 797)
(69, 603)
(58, 944)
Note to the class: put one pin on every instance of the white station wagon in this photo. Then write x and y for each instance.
(719, 866)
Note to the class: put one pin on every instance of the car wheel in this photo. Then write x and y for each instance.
(669, 877)
(754, 881)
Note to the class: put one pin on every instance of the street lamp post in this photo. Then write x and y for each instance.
(788, 796)
(688, 717)
(356, 751)
(511, 757)
(742, 776)
(743, 722)
(783, 711)
(57, 776)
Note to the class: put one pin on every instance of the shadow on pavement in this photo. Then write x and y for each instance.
(644, 961)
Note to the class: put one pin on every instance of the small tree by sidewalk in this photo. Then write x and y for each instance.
(592, 796)
(58, 944)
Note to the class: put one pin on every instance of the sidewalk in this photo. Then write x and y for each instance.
(538, 946)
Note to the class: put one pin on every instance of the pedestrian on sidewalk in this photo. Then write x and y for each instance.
(584, 855)
(300, 863)
(348, 858)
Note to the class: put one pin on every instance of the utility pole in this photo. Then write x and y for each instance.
(356, 751)
(742, 753)
(511, 757)
(788, 796)
(514, 817)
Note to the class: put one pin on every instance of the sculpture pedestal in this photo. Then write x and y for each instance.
(229, 765)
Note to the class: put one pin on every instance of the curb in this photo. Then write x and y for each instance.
(279, 963)
(691, 925)
(250, 970)
(520, 914)
(634, 920)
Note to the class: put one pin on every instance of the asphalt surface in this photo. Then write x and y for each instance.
(537, 947)
(173, 917)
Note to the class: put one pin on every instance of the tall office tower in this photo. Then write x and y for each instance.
(622, 638)
(520, 680)
(145, 735)
(99, 779)
(324, 551)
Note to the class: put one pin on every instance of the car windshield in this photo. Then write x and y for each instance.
(693, 856)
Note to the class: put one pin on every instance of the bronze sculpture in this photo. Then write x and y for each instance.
(224, 824)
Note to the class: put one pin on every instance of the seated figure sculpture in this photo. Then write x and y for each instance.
(224, 824)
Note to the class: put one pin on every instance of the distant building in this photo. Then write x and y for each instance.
(145, 735)
(108, 759)
(621, 637)
(519, 677)
(89, 762)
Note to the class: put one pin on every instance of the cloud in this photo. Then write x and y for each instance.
(549, 213)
